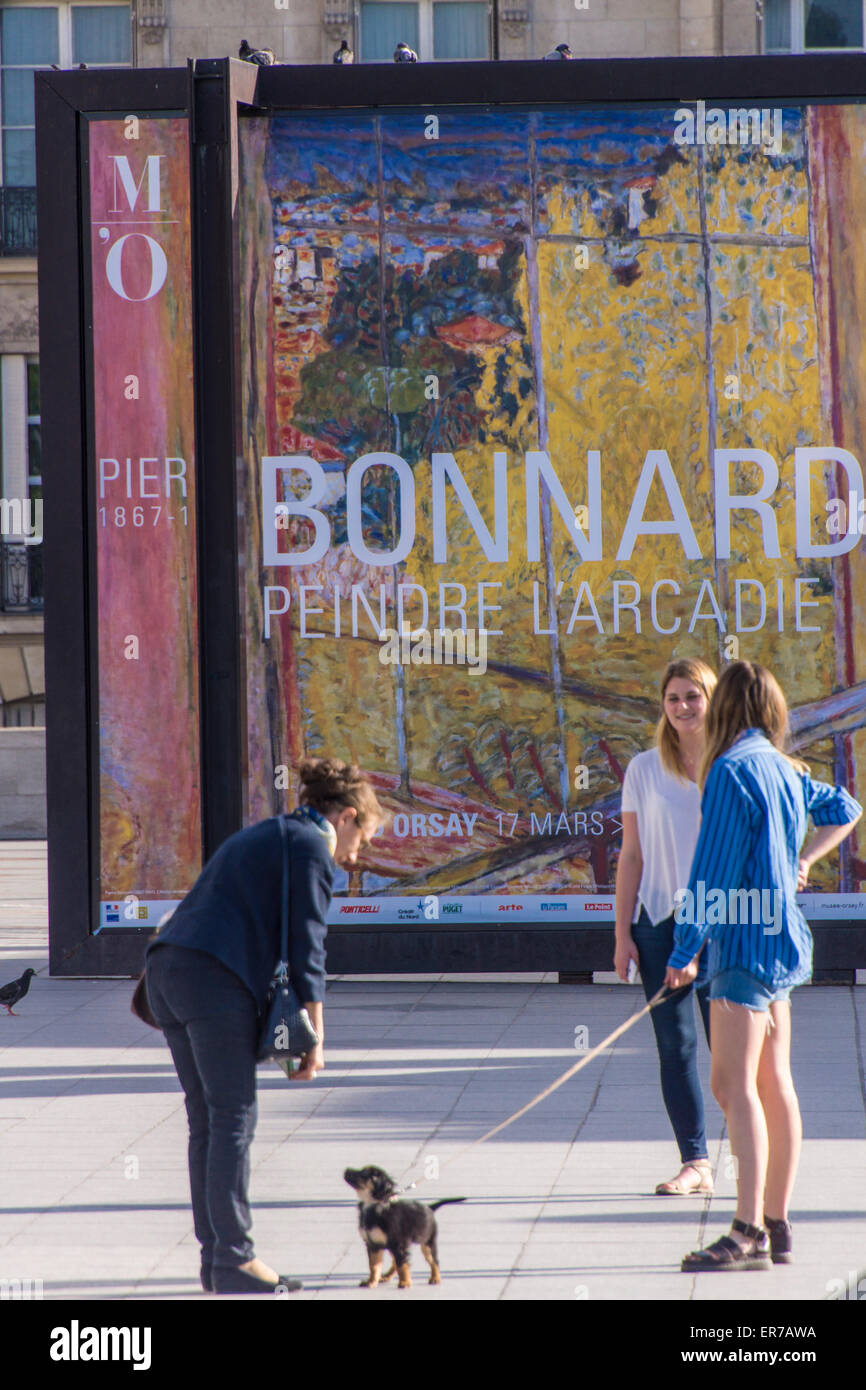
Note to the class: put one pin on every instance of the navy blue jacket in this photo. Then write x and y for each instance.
(232, 910)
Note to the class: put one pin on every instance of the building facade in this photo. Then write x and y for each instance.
(165, 33)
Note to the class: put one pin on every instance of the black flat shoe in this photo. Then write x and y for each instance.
(235, 1280)
(781, 1241)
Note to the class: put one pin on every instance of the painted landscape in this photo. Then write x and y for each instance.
(564, 281)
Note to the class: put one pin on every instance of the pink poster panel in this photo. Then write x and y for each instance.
(144, 504)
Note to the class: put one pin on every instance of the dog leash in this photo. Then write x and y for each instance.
(657, 998)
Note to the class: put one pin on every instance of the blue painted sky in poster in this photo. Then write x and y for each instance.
(478, 171)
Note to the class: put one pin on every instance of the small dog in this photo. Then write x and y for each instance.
(388, 1224)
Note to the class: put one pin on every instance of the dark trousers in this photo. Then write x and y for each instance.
(210, 1021)
(676, 1035)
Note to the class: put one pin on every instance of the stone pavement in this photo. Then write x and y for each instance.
(93, 1134)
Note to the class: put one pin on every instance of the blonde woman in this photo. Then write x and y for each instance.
(741, 899)
(661, 810)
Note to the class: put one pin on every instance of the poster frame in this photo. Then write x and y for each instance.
(215, 94)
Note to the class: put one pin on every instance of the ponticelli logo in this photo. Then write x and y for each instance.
(358, 907)
(554, 907)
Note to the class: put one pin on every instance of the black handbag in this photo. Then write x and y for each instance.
(285, 1029)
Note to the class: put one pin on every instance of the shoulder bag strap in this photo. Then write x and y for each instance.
(284, 919)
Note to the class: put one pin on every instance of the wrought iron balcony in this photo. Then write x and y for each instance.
(21, 584)
(17, 221)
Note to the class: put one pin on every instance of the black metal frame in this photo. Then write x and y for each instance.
(215, 93)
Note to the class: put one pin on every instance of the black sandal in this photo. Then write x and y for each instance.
(729, 1254)
(780, 1240)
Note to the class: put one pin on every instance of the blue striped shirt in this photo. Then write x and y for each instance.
(753, 823)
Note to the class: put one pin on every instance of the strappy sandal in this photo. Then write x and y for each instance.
(781, 1240)
(726, 1253)
(677, 1188)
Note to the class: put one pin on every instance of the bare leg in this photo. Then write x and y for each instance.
(781, 1107)
(260, 1270)
(738, 1037)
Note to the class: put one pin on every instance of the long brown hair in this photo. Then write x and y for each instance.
(748, 696)
(327, 784)
(667, 739)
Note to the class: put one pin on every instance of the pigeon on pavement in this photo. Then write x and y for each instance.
(344, 54)
(15, 990)
(263, 56)
(562, 50)
(404, 54)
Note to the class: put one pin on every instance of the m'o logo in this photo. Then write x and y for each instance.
(123, 180)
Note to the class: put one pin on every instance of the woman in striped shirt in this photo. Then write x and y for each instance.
(741, 899)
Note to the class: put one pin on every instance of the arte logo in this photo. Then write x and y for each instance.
(510, 907)
(359, 907)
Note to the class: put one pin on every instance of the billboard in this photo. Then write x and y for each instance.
(535, 399)
(425, 432)
(143, 518)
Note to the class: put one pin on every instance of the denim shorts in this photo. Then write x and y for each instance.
(739, 986)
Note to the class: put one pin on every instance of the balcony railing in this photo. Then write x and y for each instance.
(21, 585)
(17, 221)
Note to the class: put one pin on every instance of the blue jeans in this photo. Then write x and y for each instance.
(676, 1035)
(740, 986)
(210, 1021)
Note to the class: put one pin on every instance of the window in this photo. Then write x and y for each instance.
(21, 580)
(438, 29)
(34, 431)
(804, 26)
(35, 580)
(35, 36)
